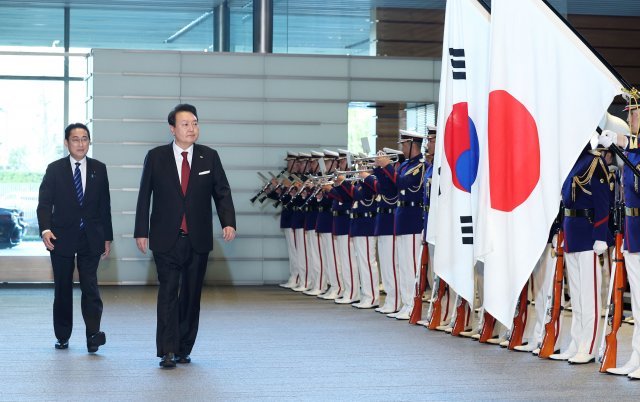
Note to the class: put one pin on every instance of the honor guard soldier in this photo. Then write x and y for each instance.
(542, 278)
(407, 183)
(276, 192)
(384, 233)
(324, 229)
(297, 222)
(448, 307)
(362, 233)
(631, 185)
(310, 209)
(340, 210)
(586, 198)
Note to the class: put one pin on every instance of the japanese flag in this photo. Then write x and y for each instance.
(547, 93)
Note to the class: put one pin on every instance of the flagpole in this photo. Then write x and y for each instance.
(588, 45)
(485, 5)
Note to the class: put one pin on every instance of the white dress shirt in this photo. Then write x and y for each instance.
(177, 153)
(83, 170)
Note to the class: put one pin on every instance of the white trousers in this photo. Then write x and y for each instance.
(301, 254)
(542, 290)
(542, 277)
(350, 281)
(330, 262)
(606, 275)
(408, 252)
(291, 249)
(314, 263)
(585, 276)
(389, 271)
(367, 268)
(632, 263)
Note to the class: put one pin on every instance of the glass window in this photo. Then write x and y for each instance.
(31, 26)
(30, 65)
(31, 136)
(156, 29)
(241, 27)
(301, 29)
(362, 128)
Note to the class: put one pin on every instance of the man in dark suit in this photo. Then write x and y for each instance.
(181, 177)
(74, 216)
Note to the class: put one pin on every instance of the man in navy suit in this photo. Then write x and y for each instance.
(74, 216)
(181, 178)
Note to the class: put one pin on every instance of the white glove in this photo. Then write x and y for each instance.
(607, 138)
(599, 247)
(554, 241)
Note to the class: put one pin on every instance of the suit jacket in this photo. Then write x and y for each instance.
(59, 209)
(160, 180)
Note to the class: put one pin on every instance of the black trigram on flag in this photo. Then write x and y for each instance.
(466, 229)
(458, 67)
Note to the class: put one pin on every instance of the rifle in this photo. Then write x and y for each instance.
(519, 319)
(263, 189)
(488, 324)
(554, 307)
(607, 353)
(421, 286)
(434, 313)
(461, 319)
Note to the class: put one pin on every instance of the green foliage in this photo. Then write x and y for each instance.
(12, 176)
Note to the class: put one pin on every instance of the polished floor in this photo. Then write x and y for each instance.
(271, 344)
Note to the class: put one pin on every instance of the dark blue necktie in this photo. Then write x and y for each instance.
(77, 182)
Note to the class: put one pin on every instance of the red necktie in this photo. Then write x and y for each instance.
(184, 181)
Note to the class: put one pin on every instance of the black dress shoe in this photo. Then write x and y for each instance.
(62, 344)
(168, 361)
(183, 359)
(95, 341)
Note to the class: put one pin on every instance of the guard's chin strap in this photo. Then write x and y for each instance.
(331, 165)
(411, 150)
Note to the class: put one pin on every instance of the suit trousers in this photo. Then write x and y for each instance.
(90, 302)
(181, 275)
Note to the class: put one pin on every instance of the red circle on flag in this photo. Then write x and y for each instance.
(514, 151)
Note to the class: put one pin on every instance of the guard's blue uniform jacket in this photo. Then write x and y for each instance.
(324, 223)
(632, 204)
(362, 214)
(285, 216)
(586, 216)
(386, 208)
(428, 174)
(340, 211)
(310, 209)
(297, 215)
(408, 183)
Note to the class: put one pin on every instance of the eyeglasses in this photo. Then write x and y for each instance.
(81, 140)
